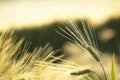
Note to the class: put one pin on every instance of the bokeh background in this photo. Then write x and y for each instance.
(38, 20)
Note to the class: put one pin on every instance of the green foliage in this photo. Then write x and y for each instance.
(112, 73)
(88, 77)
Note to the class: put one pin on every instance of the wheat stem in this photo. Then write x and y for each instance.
(97, 75)
(103, 70)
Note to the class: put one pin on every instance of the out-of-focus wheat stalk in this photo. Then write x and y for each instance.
(18, 63)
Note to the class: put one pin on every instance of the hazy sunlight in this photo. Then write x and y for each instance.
(35, 12)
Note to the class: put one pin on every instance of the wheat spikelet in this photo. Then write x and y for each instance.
(85, 71)
(84, 39)
(92, 52)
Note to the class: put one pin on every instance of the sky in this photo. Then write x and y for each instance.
(20, 13)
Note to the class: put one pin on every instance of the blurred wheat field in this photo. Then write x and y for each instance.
(23, 65)
(17, 63)
(52, 40)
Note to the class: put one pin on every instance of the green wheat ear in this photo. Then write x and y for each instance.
(85, 71)
(84, 39)
(92, 52)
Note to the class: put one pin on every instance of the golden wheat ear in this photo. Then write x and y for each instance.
(12, 68)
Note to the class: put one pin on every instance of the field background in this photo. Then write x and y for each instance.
(38, 20)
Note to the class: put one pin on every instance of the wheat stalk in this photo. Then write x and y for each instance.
(14, 68)
(84, 38)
